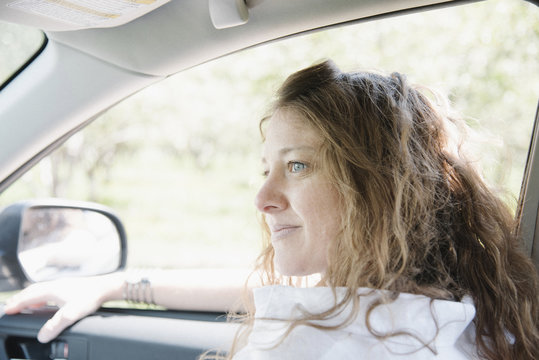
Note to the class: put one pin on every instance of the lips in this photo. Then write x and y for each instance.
(279, 231)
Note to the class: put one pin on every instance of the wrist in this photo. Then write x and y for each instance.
(113, 284)
(137, 288)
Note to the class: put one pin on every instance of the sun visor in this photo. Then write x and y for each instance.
(66, 15)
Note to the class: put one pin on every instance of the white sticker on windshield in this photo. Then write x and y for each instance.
(89, 14)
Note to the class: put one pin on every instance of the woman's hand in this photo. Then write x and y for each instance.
(75, 298)
(182, 289)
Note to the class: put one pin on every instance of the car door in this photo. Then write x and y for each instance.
(178, 161)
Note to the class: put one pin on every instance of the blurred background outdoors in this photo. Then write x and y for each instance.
(179, 161)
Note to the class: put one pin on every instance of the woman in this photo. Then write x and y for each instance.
(416, 256)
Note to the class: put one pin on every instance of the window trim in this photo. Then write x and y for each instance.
(27, 63)
(528, 209)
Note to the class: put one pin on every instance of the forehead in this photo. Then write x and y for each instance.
(287, 129)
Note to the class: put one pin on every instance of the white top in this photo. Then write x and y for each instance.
(445, 326)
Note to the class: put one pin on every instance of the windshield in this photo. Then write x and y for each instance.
(17, 45)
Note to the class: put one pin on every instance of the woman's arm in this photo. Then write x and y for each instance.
(190, 289)
(199, 289)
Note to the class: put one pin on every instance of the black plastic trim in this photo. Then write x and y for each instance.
(528, 205)
(131, 334)
(175, 314)
(27, 63)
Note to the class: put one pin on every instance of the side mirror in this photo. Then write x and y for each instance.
(48, 239)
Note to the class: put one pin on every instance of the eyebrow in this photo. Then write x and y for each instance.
(287, 150)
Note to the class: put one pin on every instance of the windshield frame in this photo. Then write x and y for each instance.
(28, 61)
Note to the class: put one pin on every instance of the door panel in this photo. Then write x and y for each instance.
(118, 334)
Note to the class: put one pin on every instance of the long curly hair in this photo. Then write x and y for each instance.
(417, 217)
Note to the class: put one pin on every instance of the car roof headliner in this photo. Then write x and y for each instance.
(180, 34)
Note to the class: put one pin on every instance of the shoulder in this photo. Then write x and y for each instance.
(410, 324)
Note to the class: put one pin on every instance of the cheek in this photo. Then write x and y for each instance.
(321, 209)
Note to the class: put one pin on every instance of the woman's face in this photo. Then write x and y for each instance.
(301, 207)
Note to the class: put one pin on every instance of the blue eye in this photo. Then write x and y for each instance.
(296, 166)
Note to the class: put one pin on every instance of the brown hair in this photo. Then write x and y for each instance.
(417, 217)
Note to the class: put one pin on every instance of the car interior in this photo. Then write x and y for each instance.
(90, 61)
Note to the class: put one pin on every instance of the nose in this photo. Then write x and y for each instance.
(270, 197)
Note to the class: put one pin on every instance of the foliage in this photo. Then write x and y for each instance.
(179, 159)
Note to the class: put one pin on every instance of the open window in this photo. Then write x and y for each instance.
(179, 161)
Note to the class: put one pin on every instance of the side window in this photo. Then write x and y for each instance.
(179, 161)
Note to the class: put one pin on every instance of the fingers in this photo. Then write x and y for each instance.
(74, 304)
(23, 300)
(75, 299)
(54, 326)
(64, 317)
(17, 308)
(33, 298)
(35, 295)
(48, 332)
